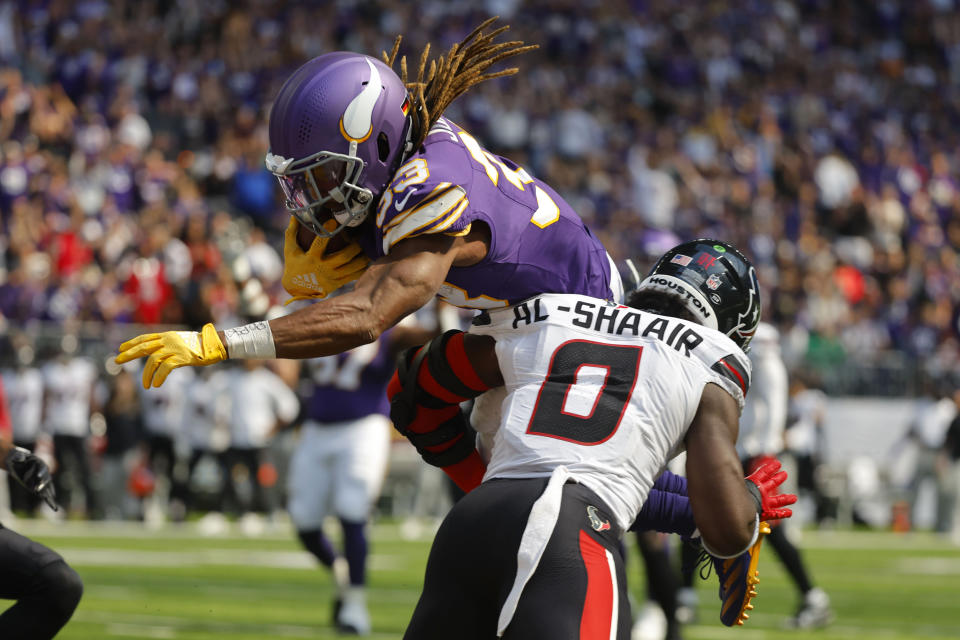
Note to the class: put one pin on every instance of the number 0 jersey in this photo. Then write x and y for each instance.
(605, 390)
(538, 243)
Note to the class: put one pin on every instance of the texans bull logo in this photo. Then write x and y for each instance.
(596, 522)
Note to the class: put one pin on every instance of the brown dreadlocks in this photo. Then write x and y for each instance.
(448, 77)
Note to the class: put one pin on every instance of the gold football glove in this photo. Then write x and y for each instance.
(172, 349)
(310, 274)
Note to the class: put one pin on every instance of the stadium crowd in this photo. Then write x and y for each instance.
(819, 136)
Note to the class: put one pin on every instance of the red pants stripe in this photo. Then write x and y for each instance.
(599, 621)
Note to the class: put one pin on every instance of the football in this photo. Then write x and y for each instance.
(304, 237)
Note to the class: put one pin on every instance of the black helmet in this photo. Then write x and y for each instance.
(712, 281)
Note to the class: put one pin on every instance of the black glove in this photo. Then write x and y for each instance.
(32, 472)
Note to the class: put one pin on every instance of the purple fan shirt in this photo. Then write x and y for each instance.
(538, 243)
(350, 385)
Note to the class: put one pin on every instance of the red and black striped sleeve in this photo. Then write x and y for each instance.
(734, 369)
(425, 394)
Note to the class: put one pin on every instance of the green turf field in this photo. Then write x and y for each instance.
(174, 583)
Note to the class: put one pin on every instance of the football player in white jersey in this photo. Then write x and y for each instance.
(68, 397)
(23, 385)
(762, 436)
(599, 397)
(164, 413)
(261, 403)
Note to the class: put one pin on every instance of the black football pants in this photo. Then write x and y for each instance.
(473, 563)
(46, 589)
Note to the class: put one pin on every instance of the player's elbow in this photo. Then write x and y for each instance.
(371, 330)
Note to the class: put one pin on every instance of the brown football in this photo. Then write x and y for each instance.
(305, 237)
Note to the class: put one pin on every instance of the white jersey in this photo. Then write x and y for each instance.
(68, 385)
(24, 391)
(604, 390)
(258, 400)
(764, 416)
(164, 407)
(807, 410)
(207, 410)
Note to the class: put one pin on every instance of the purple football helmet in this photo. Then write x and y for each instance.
(338, 130)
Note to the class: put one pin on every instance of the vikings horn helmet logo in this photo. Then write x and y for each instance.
(339, 128)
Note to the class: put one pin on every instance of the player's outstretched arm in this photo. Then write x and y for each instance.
(391, 288)
(425, 395)
(724, 510)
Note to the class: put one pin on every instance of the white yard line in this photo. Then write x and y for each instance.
(87, 557)
(930, 566)
(279, 531)
(169, 627)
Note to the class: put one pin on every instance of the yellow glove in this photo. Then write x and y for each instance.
(172, 349)
(310, 274)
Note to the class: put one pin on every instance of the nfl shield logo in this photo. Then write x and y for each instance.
(713, 282)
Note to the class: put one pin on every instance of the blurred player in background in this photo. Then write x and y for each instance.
(46, 588)
(950, 464)
(761, 437)
(208, 433)
(261, 403)
(23, 386)
(68, 383)
(341, 458)
(164, 413)
(599, 398)
(657, 618)
(804, 440)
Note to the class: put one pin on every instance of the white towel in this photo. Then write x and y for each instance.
(536, 535)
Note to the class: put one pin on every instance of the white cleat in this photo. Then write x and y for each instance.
(353, 617)
(650, 624)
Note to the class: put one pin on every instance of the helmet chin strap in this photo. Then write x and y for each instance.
(408, 141)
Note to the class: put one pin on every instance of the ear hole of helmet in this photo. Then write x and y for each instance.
(383, 147)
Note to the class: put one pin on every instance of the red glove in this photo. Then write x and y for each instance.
(763, 484)
(756, 462)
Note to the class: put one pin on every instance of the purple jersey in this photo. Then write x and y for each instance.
(538, 243)
(350, 385)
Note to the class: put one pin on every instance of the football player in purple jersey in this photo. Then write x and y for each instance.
(368, 163)
(341, 458)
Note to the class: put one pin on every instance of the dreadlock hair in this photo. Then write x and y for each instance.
(442, 80)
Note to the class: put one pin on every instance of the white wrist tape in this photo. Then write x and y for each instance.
(250, 341)
(756, 534)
